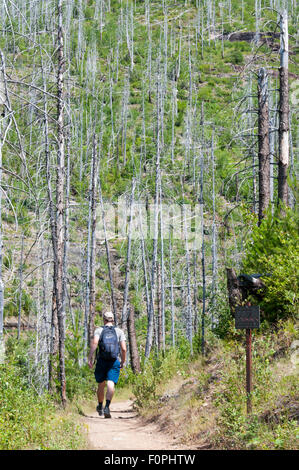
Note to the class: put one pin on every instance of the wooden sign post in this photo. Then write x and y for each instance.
(247, 318)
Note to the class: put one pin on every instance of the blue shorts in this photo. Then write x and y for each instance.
(107, 370)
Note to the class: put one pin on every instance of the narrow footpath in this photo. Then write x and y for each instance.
(126, 430)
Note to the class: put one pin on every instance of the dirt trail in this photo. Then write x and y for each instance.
(126, 431)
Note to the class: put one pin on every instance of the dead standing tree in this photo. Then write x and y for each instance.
(90, 258)
(214, 241)
(151, 318)
(283, 134)
(128, 259)
(162, 270)
(112, 290)
(5, 123)
(263, 143)
(58, 241)
(93, 216)
(135, 361)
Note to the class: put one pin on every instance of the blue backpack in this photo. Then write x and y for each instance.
(108, 348)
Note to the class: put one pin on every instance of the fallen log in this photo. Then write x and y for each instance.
(249, 36)
(14, 324)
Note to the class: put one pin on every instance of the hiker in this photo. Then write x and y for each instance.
(112, 345)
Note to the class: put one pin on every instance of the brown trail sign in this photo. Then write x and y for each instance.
(247, 318)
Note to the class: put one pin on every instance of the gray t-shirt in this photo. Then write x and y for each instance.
(119, 333)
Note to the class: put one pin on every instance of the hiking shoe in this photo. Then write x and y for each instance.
(100, 410)
(107, 412)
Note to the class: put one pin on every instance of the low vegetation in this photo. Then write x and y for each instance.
(204, 402)
(32, 421)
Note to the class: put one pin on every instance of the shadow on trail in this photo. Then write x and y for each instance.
(114, 414)
(126, 417)
(125, 411)
(112, 417)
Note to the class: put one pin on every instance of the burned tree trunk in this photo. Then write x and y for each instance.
(92, 293)
(263, 144)
(159, 309)
(234, 291)
(162, 273)
(135, 362)
(4, 127)
(171, 293)
(283, 162)
(151, 319)
(128, 260)
(203, 262)
(59, 235)
(53, 346)
(113, 299)
(20, 286)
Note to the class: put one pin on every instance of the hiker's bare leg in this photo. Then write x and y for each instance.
(101, 391)
(110, 390)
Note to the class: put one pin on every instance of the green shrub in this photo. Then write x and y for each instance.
(30, 421)
(237, 430)
(80, 379)
(236, 57)
(145, 386)
(126, 377)
(157, 370)
(273, 249)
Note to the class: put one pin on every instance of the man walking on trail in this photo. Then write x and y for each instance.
(112, 345)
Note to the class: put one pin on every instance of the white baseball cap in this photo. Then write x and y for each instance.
(108, 316)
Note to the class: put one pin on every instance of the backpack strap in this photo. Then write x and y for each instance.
(100, 339)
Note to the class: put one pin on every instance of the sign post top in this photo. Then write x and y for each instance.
(247, 317)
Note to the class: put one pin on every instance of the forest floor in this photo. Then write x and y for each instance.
(127, 430)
